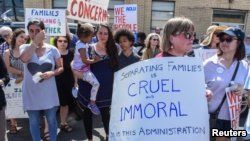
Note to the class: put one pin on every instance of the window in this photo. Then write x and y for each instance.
(229, 18)
(111, 6)
(16, 7)
(161, 12)
(60, 4)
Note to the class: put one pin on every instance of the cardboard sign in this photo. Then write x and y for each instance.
(204, 54)
(92, 11)
(234, 103)
(125, 16)
(154, 100)
(13, 95)
(54, 20)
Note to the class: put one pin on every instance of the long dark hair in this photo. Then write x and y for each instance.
(36, 22)
(16, 33)
(111, 48)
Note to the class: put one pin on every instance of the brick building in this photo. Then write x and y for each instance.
(152, 13)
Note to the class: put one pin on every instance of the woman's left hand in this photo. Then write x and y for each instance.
(239, 90)
(47, 75)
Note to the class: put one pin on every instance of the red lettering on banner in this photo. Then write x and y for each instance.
(232, 97)
(100, 13)
(92, 17)
(49, 21)
(71, 8)
(119, 11)
(88, 11)
(120, 19)
(132, 27)
(80, 9)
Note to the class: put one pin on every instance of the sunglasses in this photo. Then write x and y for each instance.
(60, 41)
(155, 39)
(227, 39)
(187, 35)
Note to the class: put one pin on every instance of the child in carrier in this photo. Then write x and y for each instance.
(82, 60)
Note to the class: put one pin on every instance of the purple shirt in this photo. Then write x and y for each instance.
(218, 77)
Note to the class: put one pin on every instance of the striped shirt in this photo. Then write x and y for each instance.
(15, 63)
(3, 47)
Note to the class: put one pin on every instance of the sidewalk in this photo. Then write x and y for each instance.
(77, 134)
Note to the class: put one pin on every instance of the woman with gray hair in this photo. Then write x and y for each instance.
(6, 34)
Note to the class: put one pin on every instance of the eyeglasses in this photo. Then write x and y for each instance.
(227, 39)
(187, 35)
(155, 39)
(60, 41)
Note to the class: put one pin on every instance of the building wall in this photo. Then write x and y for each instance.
(37, 3)
(199, 11)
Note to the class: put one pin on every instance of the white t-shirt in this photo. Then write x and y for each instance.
(42, 95)
(77, 61)
(217, 78)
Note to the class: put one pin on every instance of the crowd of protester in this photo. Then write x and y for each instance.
(88, 60)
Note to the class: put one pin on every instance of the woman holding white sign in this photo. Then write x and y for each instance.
(14, 64)
(42, 62)
(226, 66)
(178, 36)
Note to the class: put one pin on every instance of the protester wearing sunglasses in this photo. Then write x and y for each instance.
(65, 81)
(152, 42)
(219, 70)
(178, 36)
(6, 34)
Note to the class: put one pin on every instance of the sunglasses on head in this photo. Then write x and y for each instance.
(60, 41)
(187, 35)
(227, 39)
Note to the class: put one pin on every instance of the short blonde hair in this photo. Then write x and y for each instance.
(5, 29)
(173, 26)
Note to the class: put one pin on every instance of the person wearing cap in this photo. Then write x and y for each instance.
(219, 70)
(211, 40)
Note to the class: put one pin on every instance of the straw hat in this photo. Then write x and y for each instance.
(210, 32)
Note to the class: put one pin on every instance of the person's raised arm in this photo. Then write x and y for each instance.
(26, 53)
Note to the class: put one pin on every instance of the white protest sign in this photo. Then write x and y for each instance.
(234, 103)
(204, 54)
(92, 11)
(54, 20)
(125, 16)
(13, 95)
(160, 99)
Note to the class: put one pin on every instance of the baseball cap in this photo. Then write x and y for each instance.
(234, 32)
